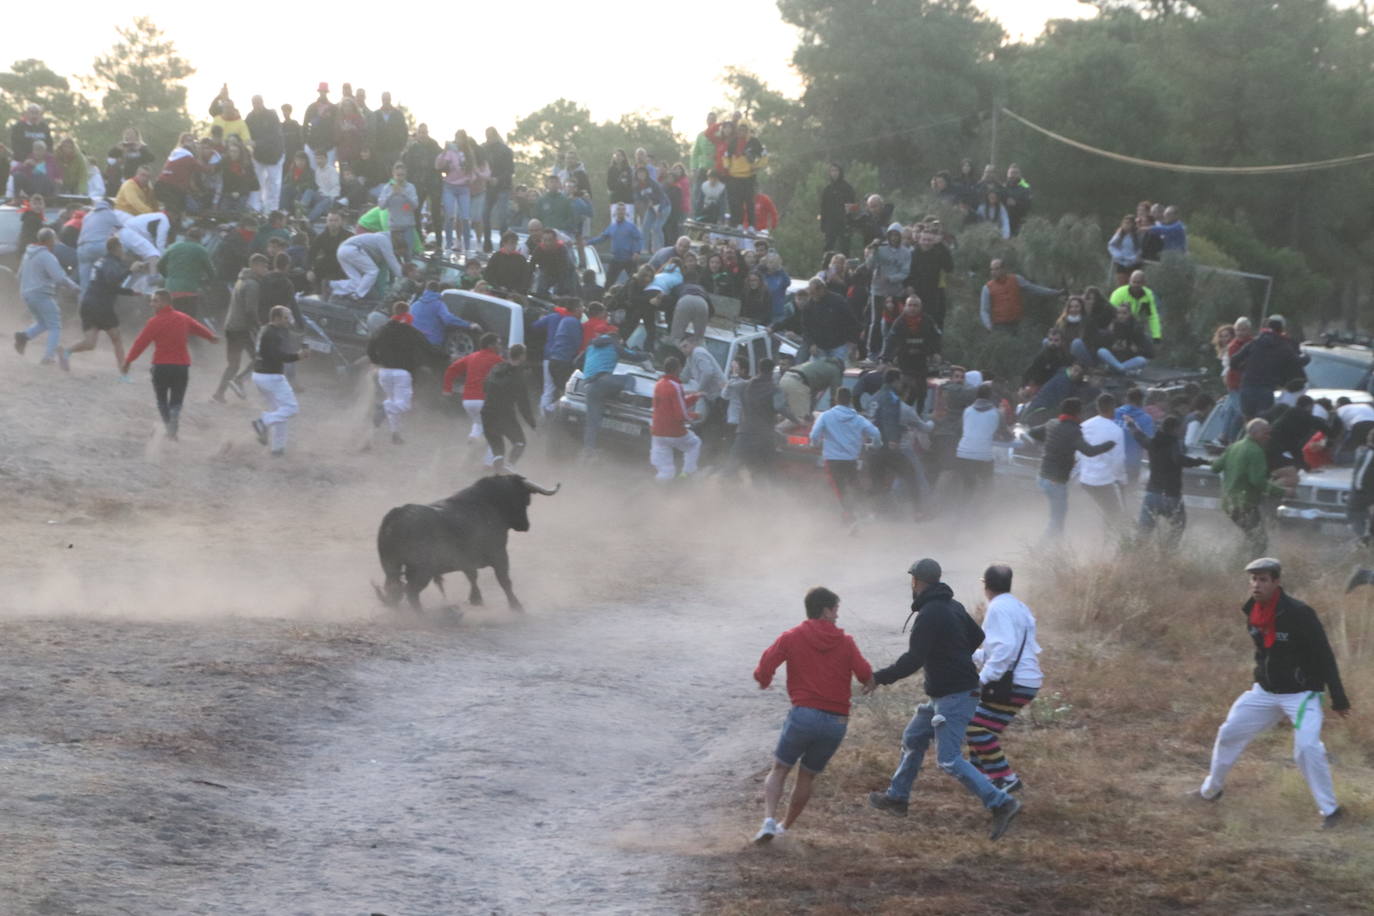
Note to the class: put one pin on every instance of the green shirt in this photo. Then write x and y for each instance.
(703, 153)
(1244, 474)
(1122, 296)
(187, 267)
(555, 211)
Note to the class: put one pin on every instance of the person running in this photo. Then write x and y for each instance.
(1245, 483)
(943, 640)
(168, 332)
(672, 412)
(40, 276)
(820, 659)
(103, 288)
(1164, 489)
(241, 325)
(269, 375)
(1009, 675)
(1062, 437)
(841, 433)
(398, 351)
(505, 394)
(474, 369)
(1294, 665)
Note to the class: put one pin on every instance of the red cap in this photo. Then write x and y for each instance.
(324, 87)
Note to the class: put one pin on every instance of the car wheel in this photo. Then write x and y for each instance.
(458, 344)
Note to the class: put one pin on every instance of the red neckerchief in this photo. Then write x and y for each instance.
(913, 326)
(1068, 418)
(1262, 616)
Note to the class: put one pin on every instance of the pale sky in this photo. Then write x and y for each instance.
(591, 58)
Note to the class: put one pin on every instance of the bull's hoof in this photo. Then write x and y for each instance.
(474, 600)
(517, 607)
(454, 613)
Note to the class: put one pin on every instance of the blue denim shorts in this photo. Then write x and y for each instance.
(810, 735)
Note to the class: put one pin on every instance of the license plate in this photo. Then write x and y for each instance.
(1202, 502)
(629, 429)
(319, 346)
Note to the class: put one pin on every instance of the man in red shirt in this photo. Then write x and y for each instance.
(669, 429)
(596, 324)
(168, 331)
(820, 659)
(474, 368)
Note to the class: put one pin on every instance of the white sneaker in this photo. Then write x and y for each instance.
(771, 829)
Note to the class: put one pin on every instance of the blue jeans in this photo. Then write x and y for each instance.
(457, 211)
(598, 391)
(498, 202)
(1080, 352)
(1058, 495)
(1255, 400)
(1135, 362)
(49, 319)
(86, 256)
(954, 713)
(841, 352)
(319, 204)
(653, 229)
(811, 736)
(1170, 509)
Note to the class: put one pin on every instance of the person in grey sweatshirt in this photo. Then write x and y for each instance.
(402, 204)
(40, 276)
(973, 458)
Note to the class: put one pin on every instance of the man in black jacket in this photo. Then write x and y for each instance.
(419, 156)
(398, 351)
(827, 323)
(1270, 360)
(502, 162)
(1164, 490)
(506, 394)
(943, 640)
(1294, 665)
(1062, 437)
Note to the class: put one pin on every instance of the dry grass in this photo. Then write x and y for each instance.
(1146, 664)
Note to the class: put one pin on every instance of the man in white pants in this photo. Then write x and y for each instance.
(269, 149)
(671, 433)
(1294, 664)
(362, 258)
(275, 350)
(144, 238)
(398, 351)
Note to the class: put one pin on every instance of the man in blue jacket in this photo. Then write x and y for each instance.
(600, 381)
(841, 433)
(431, 317)
(626, 240)
(562, 342)
(943, 640)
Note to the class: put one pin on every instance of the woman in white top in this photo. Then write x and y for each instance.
(1009, 671)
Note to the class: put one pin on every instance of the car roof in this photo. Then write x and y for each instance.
(480, 297)
(1351, 353)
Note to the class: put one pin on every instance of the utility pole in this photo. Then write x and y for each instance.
(996, 114)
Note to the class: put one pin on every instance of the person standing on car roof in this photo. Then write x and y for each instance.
(943, 640)
(474, 369)
(1294, 666)
(398, 351)
(626, 241)
(841, 433)
(269, 375)
(168, 331)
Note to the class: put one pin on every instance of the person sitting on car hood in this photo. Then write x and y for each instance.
(432, 318)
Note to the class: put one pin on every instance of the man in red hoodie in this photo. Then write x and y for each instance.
(669, 427)
(168, 331)
(596, 324)
(820, 659)
(474, 368)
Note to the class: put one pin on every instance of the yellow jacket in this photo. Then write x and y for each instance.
(135, 199)
(235, 128)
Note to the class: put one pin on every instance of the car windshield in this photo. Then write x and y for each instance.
(1326, 370)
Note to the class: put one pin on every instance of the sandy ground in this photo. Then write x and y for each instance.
(203, 708)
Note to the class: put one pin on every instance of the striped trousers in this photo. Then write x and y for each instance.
(984, 748)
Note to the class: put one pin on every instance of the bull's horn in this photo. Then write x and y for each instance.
(536, 488)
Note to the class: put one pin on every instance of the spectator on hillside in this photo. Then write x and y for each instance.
(931, 264)
(992, 210)
(909, 344)
(890, 262)
(1125, 247)
(702, 161)
(1000, 305)
(713, 199)
(350, 134)
(1170, 232)
(652, 207)
(319, 126)
(1016, 197)
(1052, 359)
(1266, 362)
(1126, 349)
(874, 221)
(135, 195)
(765, 218)
(837, 200)
(828, 326)
(1142, 302)
(626, 242)
(269, 152)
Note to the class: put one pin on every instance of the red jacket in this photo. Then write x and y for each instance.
(1233, 375)
(593, 328)
(475, 367)
(820, 660)
(168, 331)
(765, 213)
(670, 408)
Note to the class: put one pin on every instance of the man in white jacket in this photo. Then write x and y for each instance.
(973, 457)
(1009, 671)
(1103, 476)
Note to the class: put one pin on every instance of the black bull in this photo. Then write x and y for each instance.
(467, 532)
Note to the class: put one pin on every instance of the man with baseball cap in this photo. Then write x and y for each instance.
(1294, 664)
(943, 640)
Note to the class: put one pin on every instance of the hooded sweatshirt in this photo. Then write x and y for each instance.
(820, 660)
(432, 317)
(981, 422)
(891, 265)
(943, 640)
(841, 432)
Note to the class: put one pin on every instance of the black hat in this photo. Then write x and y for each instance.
(926, 570)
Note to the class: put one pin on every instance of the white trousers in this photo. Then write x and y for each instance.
(361, 271)
(1256, 710)
(281, 406)
(548, 397)
(269, 183)
(662, 454)
(396, 385)
(474, 409)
